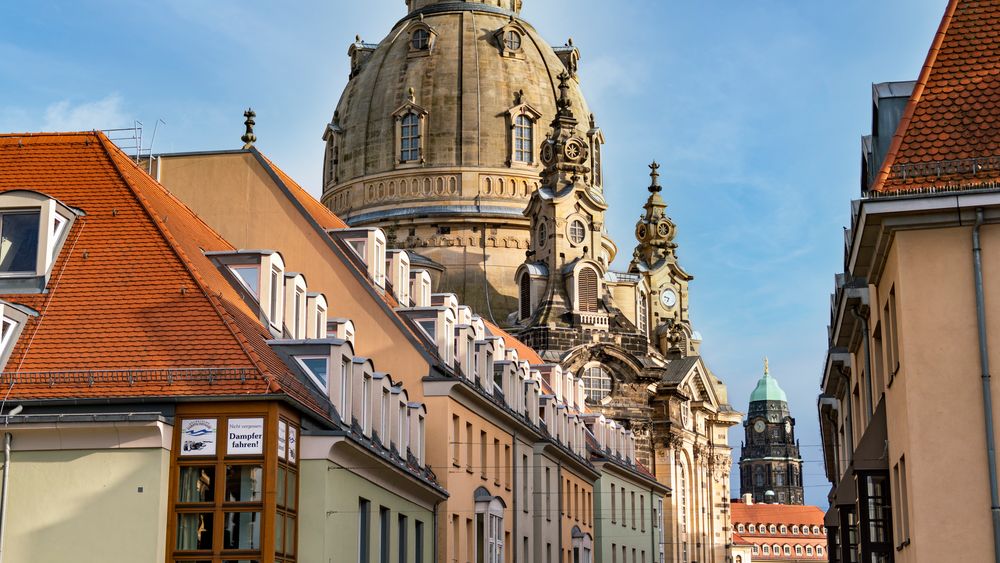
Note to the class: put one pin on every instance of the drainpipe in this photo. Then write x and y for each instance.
(984, 361)
(7, 438)
(517, 513)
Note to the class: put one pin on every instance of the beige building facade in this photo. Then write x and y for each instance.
(906, 411)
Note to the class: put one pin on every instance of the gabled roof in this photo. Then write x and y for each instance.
(954, 112)
(776, 514)
(134, 307)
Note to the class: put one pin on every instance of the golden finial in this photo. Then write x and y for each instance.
(766, 370)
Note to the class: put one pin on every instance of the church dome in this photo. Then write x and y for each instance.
(424, 140)
(768, 389)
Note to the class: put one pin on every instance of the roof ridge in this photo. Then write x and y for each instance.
(915, 97)
(218, 307)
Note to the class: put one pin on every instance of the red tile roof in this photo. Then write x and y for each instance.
(524, 352)
(776, 514)
(954, 111)
(132, 300)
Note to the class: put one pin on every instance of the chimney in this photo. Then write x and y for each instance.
(748, 499)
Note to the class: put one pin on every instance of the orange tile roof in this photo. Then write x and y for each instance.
(776, 514)
(524, 352)
(954, 111)
(132, 299)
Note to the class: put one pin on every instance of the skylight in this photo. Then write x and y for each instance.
(317, 368)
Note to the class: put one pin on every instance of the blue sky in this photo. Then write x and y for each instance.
(755, 110)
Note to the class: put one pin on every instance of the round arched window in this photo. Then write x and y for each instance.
(542, 234)
(596, 383)
(577, 231)
(512, 40)
(420, 40)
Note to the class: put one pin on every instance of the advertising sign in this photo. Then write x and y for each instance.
(245, 436)
(198, 436)
(282, 433)
(293, 446)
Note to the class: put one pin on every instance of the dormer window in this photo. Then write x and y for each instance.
(32, 228)
(359, 246)
(275, 297)
(317, 368)
(12, 322)
(420, 40)
(249, 276)
(19, 241)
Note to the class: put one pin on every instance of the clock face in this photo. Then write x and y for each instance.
(758, 426)
(668, 298)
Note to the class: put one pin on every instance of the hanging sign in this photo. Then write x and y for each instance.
(293, 446)
(282, 433)
(198, 436)
(245, 436)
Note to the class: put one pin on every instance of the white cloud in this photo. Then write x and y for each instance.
(105, 113)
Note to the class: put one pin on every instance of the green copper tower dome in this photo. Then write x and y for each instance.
(768, 389)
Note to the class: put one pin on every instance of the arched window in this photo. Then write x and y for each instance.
(779, 477)
(753, 529)
(409, 138)
(773, 529)
(596, 383)
(420, 40)
(525, 296)
(524, 139)
(758, 476)
(809, 550)
(795, 529)
(739, 559)
(489, 527)
(587, 291)
(767, 550)
(682, 497)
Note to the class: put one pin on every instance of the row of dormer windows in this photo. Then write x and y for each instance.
(782, 529)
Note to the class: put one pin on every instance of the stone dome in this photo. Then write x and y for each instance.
(467, 70)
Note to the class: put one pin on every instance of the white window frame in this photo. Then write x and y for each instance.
(301, 360)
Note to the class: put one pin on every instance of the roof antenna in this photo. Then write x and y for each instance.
(249, 138)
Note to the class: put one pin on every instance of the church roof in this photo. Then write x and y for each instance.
(768, 389)
(948, 129)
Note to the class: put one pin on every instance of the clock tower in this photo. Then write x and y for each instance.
(655, 259)
(770, 463)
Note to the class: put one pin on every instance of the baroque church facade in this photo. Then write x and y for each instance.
(466, 137)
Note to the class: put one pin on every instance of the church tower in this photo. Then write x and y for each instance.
(655, 260)
(770, 463)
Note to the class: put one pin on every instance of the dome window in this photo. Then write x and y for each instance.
(523, 139)
(512, 40)
(509, 39)
(420, 40)
(409, 138)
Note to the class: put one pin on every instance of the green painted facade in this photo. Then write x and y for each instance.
(615, 529)
(329, 517)
(87, 506)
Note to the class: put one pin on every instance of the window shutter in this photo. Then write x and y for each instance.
(525, 296)
(587, 291)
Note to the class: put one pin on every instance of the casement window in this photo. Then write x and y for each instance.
(383, 425)
(409, 138)
(318, 370)
(524, 145)
(19, 234)
(421, 440)
(249, 276)
(366, 403)
(613, 505)
(401, 543)
(456, 441)
(490, 531)
(383, 527)
(298, 317)
(345, 378)
(418, 541)
(364, 530)
(596, 383)
(642, 316)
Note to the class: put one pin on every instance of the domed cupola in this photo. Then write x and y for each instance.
(437, 139)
